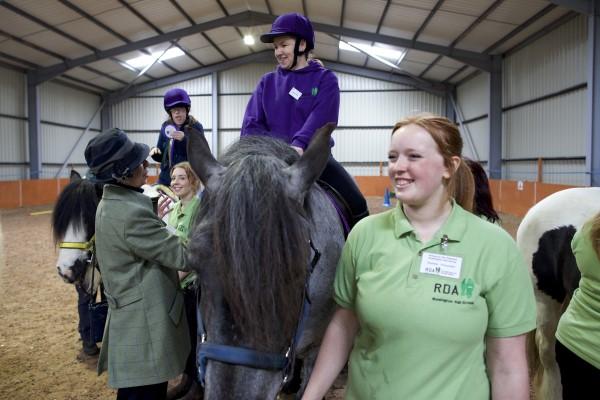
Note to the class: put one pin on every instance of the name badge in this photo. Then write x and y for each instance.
(441, 264)
(295, 93)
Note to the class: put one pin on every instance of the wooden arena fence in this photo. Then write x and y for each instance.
(510, 197)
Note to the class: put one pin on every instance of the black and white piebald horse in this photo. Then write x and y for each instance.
(544, 237)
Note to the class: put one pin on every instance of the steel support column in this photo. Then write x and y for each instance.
(215, 113)
(449, 111)
(495, 118)
(33, 127)
(592, 158)
(106, 118)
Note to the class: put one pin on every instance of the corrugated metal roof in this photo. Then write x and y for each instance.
(398, 18)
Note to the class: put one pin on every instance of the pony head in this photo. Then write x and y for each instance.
(251, 250)
(73, 220)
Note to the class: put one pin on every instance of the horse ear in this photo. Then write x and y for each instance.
(74, 176)
(201, 159)
(305, 171)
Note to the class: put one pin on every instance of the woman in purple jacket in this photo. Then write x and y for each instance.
(296, 99)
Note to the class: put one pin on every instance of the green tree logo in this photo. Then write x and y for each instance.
(466, 287)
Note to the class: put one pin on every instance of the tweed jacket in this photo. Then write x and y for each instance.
(146, 339)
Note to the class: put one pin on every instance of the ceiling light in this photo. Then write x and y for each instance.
(393, 55)
(147, 59)
(249, 40)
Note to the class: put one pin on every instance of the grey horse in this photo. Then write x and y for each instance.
(262, 220)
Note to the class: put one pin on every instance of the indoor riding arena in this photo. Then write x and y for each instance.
(517, 80)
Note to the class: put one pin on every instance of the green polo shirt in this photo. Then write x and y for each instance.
(425, 308)
(180, 217)
(579, 326)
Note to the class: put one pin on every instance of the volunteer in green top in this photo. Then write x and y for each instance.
(578, 332)
(434, 302)
(185, 184)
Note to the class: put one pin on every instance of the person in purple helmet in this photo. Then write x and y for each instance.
(171, 147)
(296, 99)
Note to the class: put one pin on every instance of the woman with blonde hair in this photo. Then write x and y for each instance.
(433, 302)
(185, 184)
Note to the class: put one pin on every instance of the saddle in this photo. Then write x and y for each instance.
(341, 206)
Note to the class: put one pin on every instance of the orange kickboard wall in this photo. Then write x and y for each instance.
(509, 196)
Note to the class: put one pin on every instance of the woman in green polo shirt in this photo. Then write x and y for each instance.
(185, 184)
(433, 301)
(578, 332)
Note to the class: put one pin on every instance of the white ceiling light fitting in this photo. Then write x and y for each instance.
(249, 39)
(147, 59)
(390, 57)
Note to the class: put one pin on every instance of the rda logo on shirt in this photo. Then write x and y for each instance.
(314, 91)
(467, 285)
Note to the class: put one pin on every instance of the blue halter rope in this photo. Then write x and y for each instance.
(236, 355)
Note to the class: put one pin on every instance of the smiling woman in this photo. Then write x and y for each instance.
(461, 296)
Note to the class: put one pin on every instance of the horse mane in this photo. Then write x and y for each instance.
(76, 205)
(259, 241)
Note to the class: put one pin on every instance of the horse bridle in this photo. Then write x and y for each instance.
(89, 246)
(237, 355)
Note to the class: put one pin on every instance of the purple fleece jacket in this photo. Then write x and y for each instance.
(273, 111)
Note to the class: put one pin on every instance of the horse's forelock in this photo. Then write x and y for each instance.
(76, 205)
(260, 244)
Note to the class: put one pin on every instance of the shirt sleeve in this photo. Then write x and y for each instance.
(325, 109)
(511, 302)
(255, 121)
(149, 239)
(344, 285)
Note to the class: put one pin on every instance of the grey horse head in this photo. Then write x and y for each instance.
(251, 250)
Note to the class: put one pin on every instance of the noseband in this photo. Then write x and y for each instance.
(237, 355)
(90, 247)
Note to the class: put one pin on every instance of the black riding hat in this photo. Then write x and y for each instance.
(111, 155)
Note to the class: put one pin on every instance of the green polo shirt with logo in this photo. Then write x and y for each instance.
(425, 308)
(180, 217)
(579, 327)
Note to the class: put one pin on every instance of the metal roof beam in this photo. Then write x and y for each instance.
(581, 6)
(430, 87)
(118, 96)
(248, 18)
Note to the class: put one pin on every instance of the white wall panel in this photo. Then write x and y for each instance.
(473, 96)
(366, 170)
(13, 140)
(12, 92)
(353, 82)
(147, 113)
(68, 106)
(57, 141)
(550, 64)
(360, 145)
(232, 109)
(13, 172)
(479, 139)
(199, 85)
(243, 79)
(385, 108)
(552, 128)
(226, 138)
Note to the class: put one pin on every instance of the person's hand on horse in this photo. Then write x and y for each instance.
(178, 135)
(164, 205)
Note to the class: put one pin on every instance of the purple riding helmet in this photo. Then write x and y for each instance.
(176, 98)
(292, 24)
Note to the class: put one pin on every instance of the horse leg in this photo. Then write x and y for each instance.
(548, 382)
